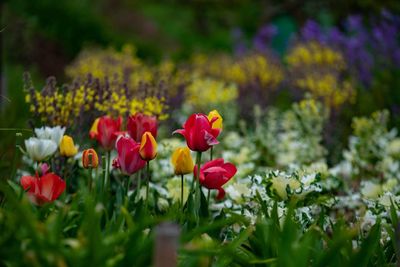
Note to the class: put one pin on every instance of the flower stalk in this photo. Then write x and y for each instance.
(198, 192)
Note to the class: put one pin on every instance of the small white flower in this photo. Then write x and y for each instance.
(387, 199)
(51, 133)
(39, 149)
(393, 148)
(162, 204)
(237, 190)
(371, 190)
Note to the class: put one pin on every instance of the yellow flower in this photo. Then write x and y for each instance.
(182, 161)
(67, 147)
(218, 123)
(93, 129)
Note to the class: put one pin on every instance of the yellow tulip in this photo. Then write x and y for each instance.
(218, 123)
(67, 147)
(182, 161)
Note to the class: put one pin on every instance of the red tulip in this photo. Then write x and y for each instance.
(198, 132)
(107, 132)
(148, 147)
(139, 123)
(128, 160)
(214, 174)
(43, 189)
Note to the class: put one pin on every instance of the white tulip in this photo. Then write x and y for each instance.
(51, 133)
(39, 149)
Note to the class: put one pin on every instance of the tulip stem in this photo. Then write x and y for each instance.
(208, 196)
(211, 153)
(139, 178)
(182, 191)
(147, 183)
(107, 177)
(90, 179)
(104, 174)
(198, 192)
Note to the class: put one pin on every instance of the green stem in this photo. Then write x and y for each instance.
(147, 182)
(90, 179)
(197, 194)
(208, 196)
(182, 191)
(128, 184)
(138, 185)
(211, 153)
(102, 182)
(107, 177)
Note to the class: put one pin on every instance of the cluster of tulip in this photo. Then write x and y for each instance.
(136, 146)
(201, 132)
(47, 186)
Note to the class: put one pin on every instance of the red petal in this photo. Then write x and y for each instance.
(190, 122)
(51, 186)
(212, 163)
(28, 182)
(210, 139)
(213, 119)
(215, 132)
(179, 131)
(221, 193)
(230, 169)
(215, 169)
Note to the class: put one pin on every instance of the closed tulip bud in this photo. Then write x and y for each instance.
(218, 122)
(93, 130)
(67, 147)
(182, 161)
(90, 159)
(148, 147)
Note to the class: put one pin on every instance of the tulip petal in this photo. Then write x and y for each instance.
(221, 193)
(179, 131)
(212, 163)
(210, 139)
(230, 169)
(46, 185)
(28, 182)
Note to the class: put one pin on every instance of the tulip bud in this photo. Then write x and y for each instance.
(148, 147)
(90, 159)
(217, 124)
(93, 130)
(182, 161)
(67, 147)
(43, 169)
